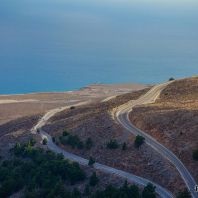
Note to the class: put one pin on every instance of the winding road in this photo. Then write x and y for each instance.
(164, 193)
(50, 114)
(130, 177)
(122, 116)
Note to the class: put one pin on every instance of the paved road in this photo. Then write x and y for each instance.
(122, 116)
(130, 177)
(50, 114)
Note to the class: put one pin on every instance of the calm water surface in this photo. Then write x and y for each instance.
(56, 45)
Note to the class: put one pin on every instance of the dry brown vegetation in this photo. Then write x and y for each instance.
(15, 131)
(95, 121)
(173, 120)
(21, 134)
(11, 112)
(19, 113)
(17, 106)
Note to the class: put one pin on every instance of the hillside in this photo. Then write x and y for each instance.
(95, 122)
(15, 180)
(173, 120)
(13, 107)
(19, 113)
(89, 130)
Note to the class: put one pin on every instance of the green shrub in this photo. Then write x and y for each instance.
(91, 161)
(18, 149)
(112, 144)
(80, 145)
(149, 191)
(88, 143)
(40, 173)
(76, 193)
(65, 133)
(62, 140)
(171, 79)
(53, 139)
(124, 146)
(93, 181)
(32, 141)
(44, 141)
(86, 191)
(124, 191)
(72, 140)
(60, 156)
(195, 155)
(184, 194)
(139, 140)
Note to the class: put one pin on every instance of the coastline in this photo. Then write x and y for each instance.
(79, 89)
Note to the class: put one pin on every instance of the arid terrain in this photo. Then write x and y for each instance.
(17, 106)
(95, 122)
(173, 120)
(19, 113)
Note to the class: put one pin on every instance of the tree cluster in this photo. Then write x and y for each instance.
(40, 173)
(126, 191)
(75, 142)
(112, 144)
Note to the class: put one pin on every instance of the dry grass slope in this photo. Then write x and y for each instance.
(95, 121)
(173, 120)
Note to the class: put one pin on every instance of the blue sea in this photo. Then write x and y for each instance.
(60, 45)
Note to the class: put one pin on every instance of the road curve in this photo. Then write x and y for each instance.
(130, 177)
(52, 146)
(50, 114)
(122, 116)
